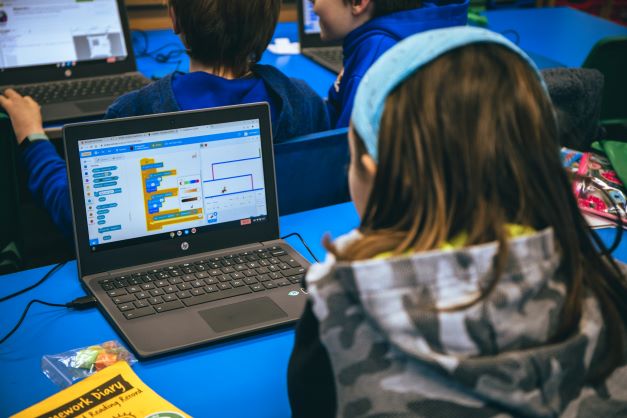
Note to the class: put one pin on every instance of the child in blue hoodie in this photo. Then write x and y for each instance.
(224, 39)
(371, 27)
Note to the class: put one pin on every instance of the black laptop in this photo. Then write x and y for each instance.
(73, 57)
(177, 229)
(327, 54)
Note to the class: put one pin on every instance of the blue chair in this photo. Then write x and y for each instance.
(312, 171)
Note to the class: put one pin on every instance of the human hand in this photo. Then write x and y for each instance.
(25, 114)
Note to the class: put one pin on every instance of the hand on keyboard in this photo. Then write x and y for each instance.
(24, 112)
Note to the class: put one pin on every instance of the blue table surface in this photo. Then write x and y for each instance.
(242, 378)
(552, 36)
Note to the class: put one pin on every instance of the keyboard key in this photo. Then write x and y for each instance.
(293, 272)
(141, 303)
(257, 287)
(115, 293)
(133, 289)
(147, 286)
(211, 289)
(156, 292)
(123, 299)
(155, 301)
(176, 280)
(189, 278)
(237, 283)
(108, 286)
(162, 283)
(183, 295)
(216, 272)
(263, 278)
(170, 289)
(142, 295)
(210, 297)
(197, 292)
(184, 286)
(227, 270)
(250, 273)
(270, 285)
(201, 275)
(169, 306)
(126, 307)
(169, 298)
(138, 313)
(283, 282)
(211, 280)
(224, 286)
(198, 283)
(275, 276)
(250, 280)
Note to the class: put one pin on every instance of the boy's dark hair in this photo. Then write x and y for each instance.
(226, 34)
(385, 7)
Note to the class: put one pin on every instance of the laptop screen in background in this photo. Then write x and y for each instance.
(62, 32)
(164, 184)
(311, 20)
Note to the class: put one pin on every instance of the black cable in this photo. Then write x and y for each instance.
(171, 56)
(78, 304)
(43, 279)
(296, 234)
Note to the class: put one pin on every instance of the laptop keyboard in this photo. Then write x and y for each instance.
(207, 280)
(62, 91)
(333, 55)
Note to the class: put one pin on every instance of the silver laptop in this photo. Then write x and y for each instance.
(73, 57)
(327, 54)
(177, 229)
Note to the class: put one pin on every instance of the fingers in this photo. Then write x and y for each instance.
(12, 94)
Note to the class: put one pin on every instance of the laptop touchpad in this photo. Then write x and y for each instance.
(242, 314)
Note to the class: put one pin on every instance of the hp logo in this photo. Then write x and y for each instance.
(185, 246)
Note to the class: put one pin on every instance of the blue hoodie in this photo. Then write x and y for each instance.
(364, 45)
(295, 108)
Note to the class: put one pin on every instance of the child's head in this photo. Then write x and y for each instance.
(454, 137)
(225, 35)
(339, 17)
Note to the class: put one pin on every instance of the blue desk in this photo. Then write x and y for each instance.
(557, 36)
(562, 34)
(245, 378)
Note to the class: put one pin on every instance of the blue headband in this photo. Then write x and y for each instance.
(404, 59)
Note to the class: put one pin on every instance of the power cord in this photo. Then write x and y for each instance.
(169, 53)
(296, 234)
(79, 304)
(43, 279)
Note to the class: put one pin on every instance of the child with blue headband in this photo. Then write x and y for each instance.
(472, 287)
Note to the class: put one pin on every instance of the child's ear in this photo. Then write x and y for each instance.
(360, 7)
(175, 23)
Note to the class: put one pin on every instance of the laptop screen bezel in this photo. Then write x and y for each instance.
(157, 251)
(51, 72)
(310, 40)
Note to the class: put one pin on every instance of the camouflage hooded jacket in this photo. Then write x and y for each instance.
(394, 355)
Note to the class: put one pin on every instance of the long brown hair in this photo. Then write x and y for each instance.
(468, 144)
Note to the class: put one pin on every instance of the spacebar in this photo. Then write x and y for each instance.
(210, 297)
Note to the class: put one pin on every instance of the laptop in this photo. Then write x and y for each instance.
(73, 57)
(176, 226)
(327, 54)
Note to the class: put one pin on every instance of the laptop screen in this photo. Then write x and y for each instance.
(166, 184)
(311, 20)
(61, 32)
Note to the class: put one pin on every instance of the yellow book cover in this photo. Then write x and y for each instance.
(114, 392)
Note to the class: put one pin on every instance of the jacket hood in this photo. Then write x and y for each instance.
(498, 351)
(400, 25)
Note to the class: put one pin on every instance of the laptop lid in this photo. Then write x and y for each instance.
(151, 188)
(49, 40)
(309, 27)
